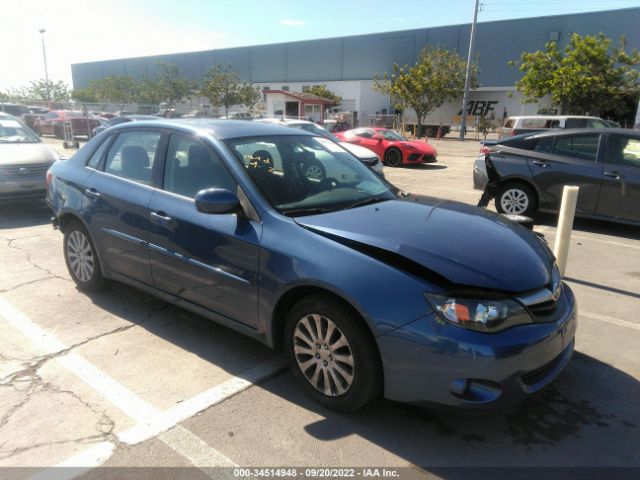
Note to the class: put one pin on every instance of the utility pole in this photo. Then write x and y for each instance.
(44, 56)
(467, 79)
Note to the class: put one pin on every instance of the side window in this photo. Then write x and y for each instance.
(191, 167)
(576, 123)
(595, 123)
(365, 133)
(132, 156)
(624, 151)
(544, 145)
(95, 158)
(584, 147)
(510, 123)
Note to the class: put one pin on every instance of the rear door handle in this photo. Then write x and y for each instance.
(161, 217)
(614, 175)
(92, 192)
(541, 163)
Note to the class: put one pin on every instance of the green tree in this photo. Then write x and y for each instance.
(250, 96)
(222, 87)
(112, 89)
(170, 86)
(324, 92)
(58, 90)
(437, 76)
(84, 95)
(588, 76)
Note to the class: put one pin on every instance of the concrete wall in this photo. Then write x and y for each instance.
(361, 57)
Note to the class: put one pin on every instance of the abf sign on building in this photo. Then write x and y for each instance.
(348, 65)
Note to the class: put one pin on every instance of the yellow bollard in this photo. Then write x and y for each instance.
(565, 225)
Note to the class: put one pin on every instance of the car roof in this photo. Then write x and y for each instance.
(573, 131)
(554, 116)
(219, 128)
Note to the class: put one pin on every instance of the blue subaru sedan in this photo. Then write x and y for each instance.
(286, 237)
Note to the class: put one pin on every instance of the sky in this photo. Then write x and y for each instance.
(88, 30)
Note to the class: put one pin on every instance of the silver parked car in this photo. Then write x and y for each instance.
(24, 161)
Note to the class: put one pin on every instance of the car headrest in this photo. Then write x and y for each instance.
(199, 157)
(134, 156)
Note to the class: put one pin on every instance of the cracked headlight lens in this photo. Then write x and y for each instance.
(483, 315)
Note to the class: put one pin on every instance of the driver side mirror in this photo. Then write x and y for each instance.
(217, 201)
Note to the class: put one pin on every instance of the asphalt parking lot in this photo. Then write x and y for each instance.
(120, 379)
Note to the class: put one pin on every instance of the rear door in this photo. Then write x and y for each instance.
(116, 198)
(620, 194)
(562, 160)
(209, 260)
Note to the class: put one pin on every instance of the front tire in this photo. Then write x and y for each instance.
(393, 157)
(332, 353)
(516, 199)
(81, 258)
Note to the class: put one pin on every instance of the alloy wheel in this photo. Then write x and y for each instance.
(314, 172)
(80, 255)
(514, 201)
(394, 158)
(323, 354)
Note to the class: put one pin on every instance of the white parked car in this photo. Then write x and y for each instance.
(24, 161)
(539, 123)
(365, 155)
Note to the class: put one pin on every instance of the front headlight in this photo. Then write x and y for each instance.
(483, 315)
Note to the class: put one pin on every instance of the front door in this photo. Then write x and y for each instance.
(116, 199)
(620, 194)
(562, 160)
(209, 260)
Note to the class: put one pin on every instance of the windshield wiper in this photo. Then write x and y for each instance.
(367, 201)
(298, 212)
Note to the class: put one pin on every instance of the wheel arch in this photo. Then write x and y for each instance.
(292, 295)
(66, 218)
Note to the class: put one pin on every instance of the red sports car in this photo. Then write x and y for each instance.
(393, 148)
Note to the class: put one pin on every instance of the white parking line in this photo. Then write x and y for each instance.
(609, 242)
(151, 421)
(611, 320)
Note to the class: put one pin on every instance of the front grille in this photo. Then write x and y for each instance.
(18, 172)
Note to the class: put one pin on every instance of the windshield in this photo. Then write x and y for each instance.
(313, 128)
(391, 135)
(302, 175)
(12, 131)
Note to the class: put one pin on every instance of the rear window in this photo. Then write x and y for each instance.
(538, 122)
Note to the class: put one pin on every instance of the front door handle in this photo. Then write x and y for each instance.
(92, 192)
(614, 175)
(161, 217)
(541, 163)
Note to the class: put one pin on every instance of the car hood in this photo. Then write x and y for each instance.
(446, 242)
(357, 150)
(418, 145)
(26, 153)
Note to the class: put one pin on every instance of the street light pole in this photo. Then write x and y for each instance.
(467, 79)
(44, 56)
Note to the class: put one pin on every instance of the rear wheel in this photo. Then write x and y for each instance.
(517, 199)
(332, 353)
(393, 157)
(81, 258)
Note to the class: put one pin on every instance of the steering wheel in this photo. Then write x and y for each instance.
(329, 183)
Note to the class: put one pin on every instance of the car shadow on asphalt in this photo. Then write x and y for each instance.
(601, 227)
(587, 417)
(425, 166)
(24, 214)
